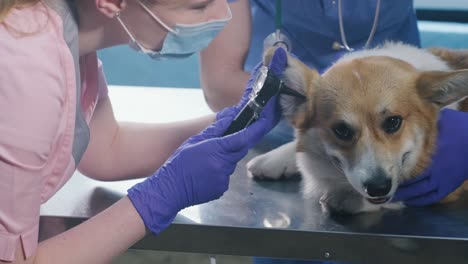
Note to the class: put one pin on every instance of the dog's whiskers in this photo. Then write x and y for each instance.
(336, 164)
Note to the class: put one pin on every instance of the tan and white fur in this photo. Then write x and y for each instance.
(368, 123)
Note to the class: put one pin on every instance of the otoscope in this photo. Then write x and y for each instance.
(266, 85)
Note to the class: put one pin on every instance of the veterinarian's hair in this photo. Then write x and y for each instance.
(6, 6)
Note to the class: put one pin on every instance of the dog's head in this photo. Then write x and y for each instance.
(376, 117)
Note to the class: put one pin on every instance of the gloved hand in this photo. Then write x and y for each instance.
(449, 168)
(277, 65)
(199, 169)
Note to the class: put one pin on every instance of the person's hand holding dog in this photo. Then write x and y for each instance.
(449, 168)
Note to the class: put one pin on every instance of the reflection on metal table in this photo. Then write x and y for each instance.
(264, 218)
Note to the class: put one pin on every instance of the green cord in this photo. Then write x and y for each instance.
(278, 12)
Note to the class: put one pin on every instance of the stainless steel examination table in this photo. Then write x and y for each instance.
(264, 218)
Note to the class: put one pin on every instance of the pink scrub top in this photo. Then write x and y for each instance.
(47, 97)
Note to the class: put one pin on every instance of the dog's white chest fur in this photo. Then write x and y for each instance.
(421, 59)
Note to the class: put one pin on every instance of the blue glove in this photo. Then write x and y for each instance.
(277, 65)
(199, 169)
(449, 168)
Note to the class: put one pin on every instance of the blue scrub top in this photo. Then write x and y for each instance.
(312, 26)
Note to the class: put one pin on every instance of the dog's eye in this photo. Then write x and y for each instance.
(343, 131)
(392, 124)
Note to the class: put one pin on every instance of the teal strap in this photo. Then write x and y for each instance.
(278, 11)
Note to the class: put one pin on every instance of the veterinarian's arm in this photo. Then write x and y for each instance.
(155, 202)
(445, 177)
(98, 240)
(222, 64)
(126, 150)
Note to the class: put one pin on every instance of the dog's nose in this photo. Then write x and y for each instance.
(379, 184)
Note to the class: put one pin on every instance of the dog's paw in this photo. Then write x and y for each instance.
(394, 206)
(342, 202)
(267, 167)
(345, 202)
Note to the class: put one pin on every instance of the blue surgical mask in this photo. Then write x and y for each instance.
(181, 41)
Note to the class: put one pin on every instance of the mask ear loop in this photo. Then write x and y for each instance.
(134, 43)
(156, 18)
(117, 16)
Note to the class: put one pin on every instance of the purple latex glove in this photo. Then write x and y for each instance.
(199, 169)
(277, 65)
(449, 168)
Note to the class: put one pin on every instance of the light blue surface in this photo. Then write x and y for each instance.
(444, 34)
(123, 66)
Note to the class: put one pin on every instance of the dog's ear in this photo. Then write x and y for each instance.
(443, 88)
(300, 78)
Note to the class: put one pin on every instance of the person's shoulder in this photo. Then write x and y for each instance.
(32, 43)
(35, 78)
(32, 31)
(31, 22)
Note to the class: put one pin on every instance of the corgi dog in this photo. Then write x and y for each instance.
(366, 124)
